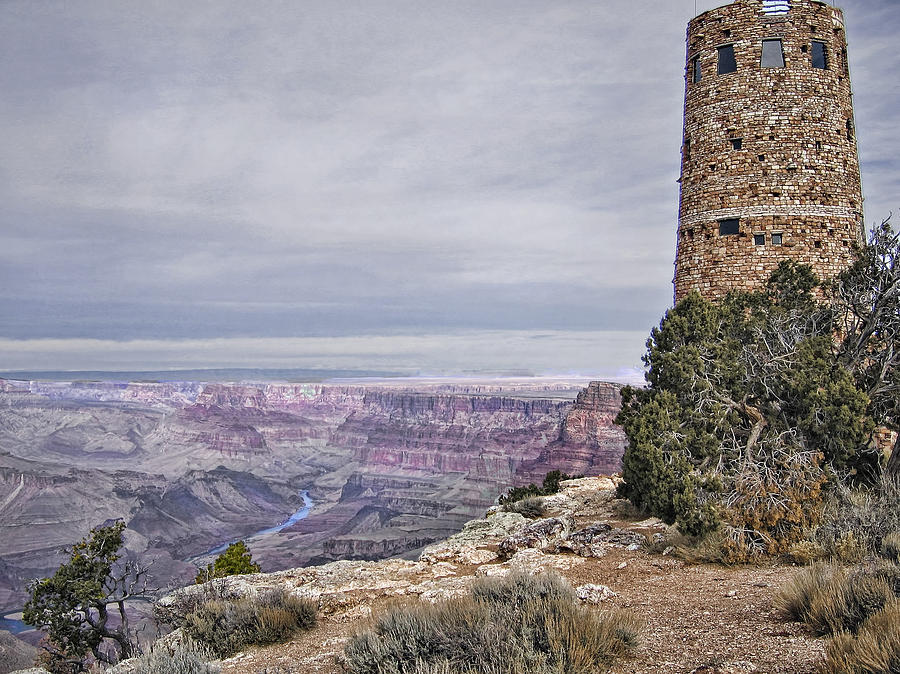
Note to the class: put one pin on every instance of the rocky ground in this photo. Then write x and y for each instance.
(698, 618)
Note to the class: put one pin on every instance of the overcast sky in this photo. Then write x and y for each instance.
(428, 186)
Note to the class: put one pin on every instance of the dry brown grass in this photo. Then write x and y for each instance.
(874, 650)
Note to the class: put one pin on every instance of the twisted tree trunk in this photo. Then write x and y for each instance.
(893, 464)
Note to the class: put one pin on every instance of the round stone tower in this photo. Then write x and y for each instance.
(769, 167)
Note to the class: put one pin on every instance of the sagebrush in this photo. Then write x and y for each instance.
(228, 626)
(515, 625)
(183, 659)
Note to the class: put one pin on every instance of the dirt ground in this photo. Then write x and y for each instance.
(697, 618)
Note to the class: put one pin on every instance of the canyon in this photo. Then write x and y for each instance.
(390, 465)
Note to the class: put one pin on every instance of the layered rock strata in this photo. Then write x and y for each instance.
(190, 466)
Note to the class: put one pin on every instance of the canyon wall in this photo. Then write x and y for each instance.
(390, 468)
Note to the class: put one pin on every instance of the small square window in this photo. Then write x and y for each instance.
(772, 54)
(759, 239)
(729, 227)
(737, 143)
(817, 244)
(819, 56)
(776, 239)
(696, 70)
(727, 64)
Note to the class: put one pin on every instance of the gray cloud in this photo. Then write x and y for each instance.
(201, 170)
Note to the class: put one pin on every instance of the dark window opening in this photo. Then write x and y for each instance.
(818, 145)
(737, 143)
(687, 148)
(727, 33)
(776, 239)
(849, 130)
(690, 232)
(762, 157)
(817, 244)
(729, 226)
(819, 56)
(804, 48)
(759, 239)
(696, 70)
(727, 64)
(772, 54)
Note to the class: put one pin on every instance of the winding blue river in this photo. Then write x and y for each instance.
(16, 626)
(13, 625)
(293, 519)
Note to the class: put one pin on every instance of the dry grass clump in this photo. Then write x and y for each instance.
(531, 507)
(844, 604)
(874, 650)
(805, 552)
(227, 626)
(793, 601)
(857, 521)
(890, 546)
(182, 659)
(515, 625)
(831, 600)
(860, 608)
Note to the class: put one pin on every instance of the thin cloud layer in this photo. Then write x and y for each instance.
(202, 171)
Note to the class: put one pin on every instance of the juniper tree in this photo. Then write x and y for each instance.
(746, 411)
(82, 606)
(236, 560)
(867, 297)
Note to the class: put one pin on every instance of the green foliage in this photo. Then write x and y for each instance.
(550, 486)
(72, 606)
(515, 625)
(747, 412)
(236, 560)
(227, 626)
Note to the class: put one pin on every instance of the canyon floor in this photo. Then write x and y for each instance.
(696, 618)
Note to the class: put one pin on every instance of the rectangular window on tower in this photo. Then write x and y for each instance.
(727, 64)
(772, 54)
(696, 71)
(729, 226)
(819, 56)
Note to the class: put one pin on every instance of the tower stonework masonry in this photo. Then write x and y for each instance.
(769, 167)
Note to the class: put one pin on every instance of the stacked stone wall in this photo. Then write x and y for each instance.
(772, 147)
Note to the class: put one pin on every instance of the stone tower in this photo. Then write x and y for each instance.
(769, 167)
